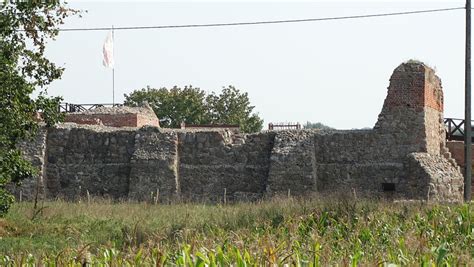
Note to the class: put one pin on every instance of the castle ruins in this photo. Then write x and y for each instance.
(403, 157)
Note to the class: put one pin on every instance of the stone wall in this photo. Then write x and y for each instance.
(144, 163)
(456, 149)
(149, 118)
(292, 163)
(403, 157)
(88, 159)
(362, 162)
(358, 161)
(34, 150)
(154, 165)
(218, 163)
(434, 177)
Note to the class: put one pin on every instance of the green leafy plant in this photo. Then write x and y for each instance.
(313, 233)
(26, 27)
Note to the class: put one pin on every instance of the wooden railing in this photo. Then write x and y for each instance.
(454, 129)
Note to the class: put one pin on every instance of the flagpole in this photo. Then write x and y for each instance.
(113, 70)
(467, 109)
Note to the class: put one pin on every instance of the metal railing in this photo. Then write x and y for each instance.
(284, 126)
(69, 107)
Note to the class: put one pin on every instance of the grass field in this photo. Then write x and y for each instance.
(271, 232)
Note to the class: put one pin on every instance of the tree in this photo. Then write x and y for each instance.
(233, 107)
(25, 29)
(173, 106)
(193, 106)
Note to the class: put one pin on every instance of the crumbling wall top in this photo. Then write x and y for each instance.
(415, 85)
(119, 116)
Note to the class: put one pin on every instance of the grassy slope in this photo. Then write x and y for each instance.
(275, 231)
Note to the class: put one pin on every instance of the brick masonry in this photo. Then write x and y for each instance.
(116, 117)
(403, 157)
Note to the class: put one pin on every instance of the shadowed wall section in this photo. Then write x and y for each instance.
(88, 159)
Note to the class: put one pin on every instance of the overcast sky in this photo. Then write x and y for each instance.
(334, 72)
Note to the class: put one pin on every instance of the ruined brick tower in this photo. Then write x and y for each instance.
(413, 112)
(414, 105)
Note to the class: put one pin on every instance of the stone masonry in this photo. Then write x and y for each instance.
(403, 157)
(456, 150)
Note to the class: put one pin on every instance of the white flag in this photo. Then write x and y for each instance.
(108, 51)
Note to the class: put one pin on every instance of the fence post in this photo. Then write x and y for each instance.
(225, 195)
(449, 130)
(157, 195)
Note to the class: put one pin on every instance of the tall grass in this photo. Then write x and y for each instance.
(290, 231)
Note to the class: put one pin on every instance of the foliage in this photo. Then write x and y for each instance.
(25, 28)
(233, 107)
(193, 106)
(173, 106)
(317, 125)
(276, 232)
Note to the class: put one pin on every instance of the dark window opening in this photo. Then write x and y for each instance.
(388, 187)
